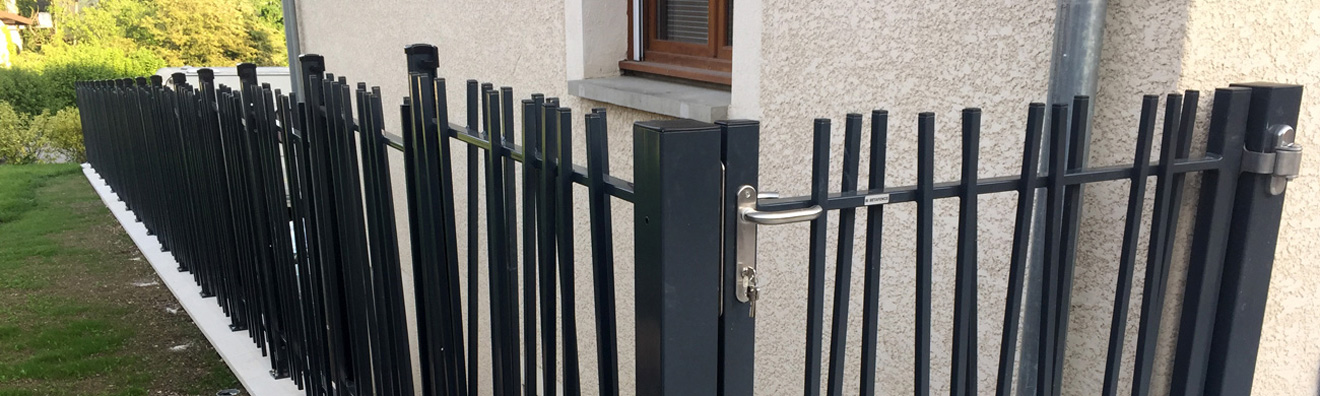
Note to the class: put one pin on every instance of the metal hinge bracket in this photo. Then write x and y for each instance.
(1284, 163)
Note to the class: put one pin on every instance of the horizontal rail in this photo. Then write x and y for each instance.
(619, 188)
(984, 186)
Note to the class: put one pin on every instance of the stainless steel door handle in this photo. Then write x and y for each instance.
(748, 289)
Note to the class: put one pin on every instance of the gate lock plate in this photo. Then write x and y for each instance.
(1284, 163)
(748, 289)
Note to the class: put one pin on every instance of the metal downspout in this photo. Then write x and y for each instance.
(292, 43)
(1074, 70)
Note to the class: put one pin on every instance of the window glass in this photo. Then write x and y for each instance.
(728, 23)
(686, 21)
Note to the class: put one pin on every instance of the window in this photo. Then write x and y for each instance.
(688, 39)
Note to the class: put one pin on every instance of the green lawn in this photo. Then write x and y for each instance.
(81, 313)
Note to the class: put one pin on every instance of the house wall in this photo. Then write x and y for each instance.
(796, 60)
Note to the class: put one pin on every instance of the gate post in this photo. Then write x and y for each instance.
(1253, 235)
(677, 219)
(737, 326)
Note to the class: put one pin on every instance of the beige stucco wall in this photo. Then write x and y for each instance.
(906, 56)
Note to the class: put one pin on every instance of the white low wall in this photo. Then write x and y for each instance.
(237, 350)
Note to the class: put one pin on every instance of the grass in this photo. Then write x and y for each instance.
(74, 319)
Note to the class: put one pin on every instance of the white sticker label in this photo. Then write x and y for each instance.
(877, 199)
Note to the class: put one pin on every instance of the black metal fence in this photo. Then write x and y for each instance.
(261, 196)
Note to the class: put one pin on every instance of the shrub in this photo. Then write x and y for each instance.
(64, 134)
(19, 144)
(25, 90)
(44, 137)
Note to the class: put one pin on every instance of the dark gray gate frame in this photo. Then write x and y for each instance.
(1233, 244)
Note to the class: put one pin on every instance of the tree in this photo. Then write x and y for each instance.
(180, 32)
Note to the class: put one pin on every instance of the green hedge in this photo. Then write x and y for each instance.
(45, 81)
(26, 139)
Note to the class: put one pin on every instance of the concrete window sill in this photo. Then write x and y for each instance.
(656, 96)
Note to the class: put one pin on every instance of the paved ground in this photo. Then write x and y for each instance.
(81, 313)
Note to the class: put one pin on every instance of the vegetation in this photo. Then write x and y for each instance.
(107, 39)
(75, 296)
(44, 137)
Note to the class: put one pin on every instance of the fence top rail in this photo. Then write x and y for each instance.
(614, 186)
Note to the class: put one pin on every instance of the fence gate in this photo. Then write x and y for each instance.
(283, 209)
(1249, 158)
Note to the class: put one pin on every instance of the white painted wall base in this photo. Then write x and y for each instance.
(237, 350)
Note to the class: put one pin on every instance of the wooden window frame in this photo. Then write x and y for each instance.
(710, 62)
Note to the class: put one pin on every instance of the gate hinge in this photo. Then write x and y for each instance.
(1284, 163)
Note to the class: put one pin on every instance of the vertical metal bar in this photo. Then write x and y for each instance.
(1205, 269)
(852, 147)
(564, 231)
(422, 295)
(335, 246)
(511, 235)
(382, 358)
(546, 237)
(1157, 263)
(677, 215)
(473, 205)
(361, 279)
(1053, 245)
(1252, 240)
(1128, 254)
(820, 167)
(511, 219)
(449, 231)
(394, 275)
(963, 372)
(502, 371)
(1072, 220)
(874, 233)
(530, 199)
(1026, 194)
(602, 253)
(925, 252)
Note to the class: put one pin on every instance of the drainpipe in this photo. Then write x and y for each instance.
(292, 42)
(1079, 27)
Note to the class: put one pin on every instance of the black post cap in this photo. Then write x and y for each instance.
(205, 75)
(247, 73)
(312, 63)
(422, 58)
